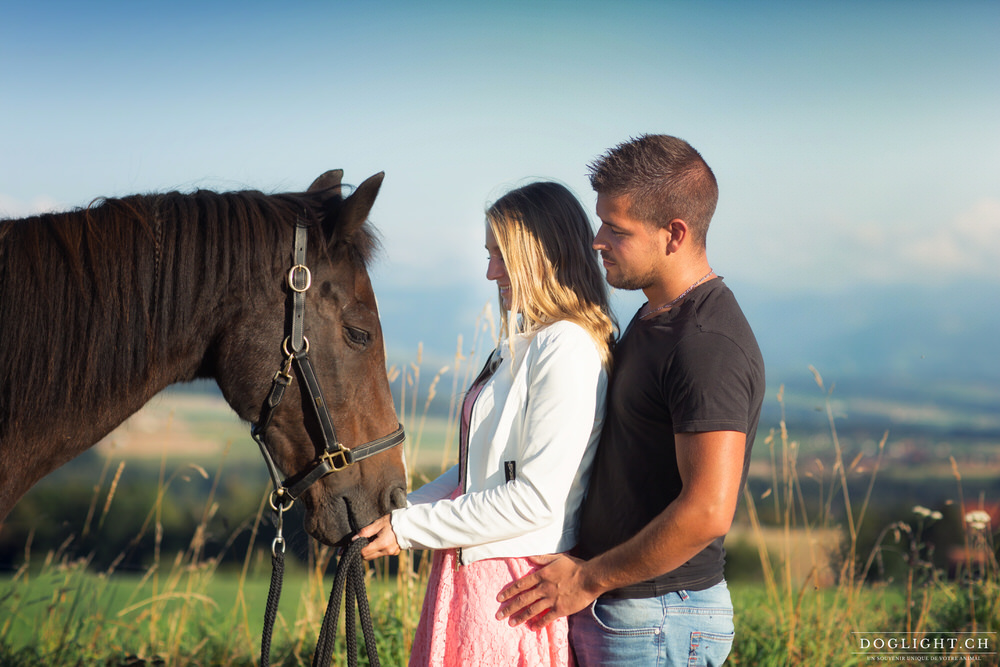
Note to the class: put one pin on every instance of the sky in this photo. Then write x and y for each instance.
(856, 144)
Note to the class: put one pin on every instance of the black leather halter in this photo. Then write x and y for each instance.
(296, 350)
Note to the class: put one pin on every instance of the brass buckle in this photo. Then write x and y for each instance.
(337, 460)
(307, 275)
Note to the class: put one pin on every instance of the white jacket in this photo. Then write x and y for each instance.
(543, 409)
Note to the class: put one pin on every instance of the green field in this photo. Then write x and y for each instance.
(200, 616)
(191, 615)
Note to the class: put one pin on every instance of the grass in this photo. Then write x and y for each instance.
(187, 611)
(816, 620)
(820, 583)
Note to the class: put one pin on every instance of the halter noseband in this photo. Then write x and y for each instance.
(296, 350)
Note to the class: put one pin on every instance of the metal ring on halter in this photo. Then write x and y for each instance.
(290, 354)
(277, 507)
(291, 277)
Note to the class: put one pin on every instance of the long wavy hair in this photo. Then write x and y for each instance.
(546, 241)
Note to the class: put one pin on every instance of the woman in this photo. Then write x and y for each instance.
(530, 424)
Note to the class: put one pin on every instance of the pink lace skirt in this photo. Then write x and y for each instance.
(458, 625)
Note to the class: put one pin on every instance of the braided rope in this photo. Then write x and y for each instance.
(271, 610)
(349, 584)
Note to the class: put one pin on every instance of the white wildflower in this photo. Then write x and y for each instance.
(922, 511)
(977, 519)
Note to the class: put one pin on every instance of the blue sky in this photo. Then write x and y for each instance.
(857, 144)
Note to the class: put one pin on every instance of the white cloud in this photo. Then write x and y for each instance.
(839, 250)
(915, 251)
(969, 246)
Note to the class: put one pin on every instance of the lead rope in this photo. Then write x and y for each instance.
(349, 584)
(274, 590)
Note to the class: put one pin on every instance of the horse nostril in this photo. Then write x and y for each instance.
(398, 498)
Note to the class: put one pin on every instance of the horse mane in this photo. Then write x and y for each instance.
(92, 296)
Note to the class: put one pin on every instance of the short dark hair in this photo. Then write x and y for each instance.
(664, 179)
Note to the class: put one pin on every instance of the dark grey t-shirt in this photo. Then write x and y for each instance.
(691, 369)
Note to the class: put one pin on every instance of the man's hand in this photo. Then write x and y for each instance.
(549, 593)
(381, 539)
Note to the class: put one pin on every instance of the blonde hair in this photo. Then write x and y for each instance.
(546, 241)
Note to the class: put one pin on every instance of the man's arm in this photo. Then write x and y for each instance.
(711, 466)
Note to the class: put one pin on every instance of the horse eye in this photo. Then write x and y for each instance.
(356, 336)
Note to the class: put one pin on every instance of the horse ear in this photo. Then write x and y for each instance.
(355, 210)
(327, 181)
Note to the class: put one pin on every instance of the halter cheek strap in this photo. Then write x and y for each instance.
(296, 350)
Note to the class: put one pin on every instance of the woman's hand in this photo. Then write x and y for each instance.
(381, 539)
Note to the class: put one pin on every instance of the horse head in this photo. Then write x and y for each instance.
(342, 337)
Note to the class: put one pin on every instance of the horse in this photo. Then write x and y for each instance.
(103, 307)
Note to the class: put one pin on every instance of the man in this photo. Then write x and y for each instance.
(683, 407)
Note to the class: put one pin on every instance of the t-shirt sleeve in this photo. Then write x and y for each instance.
(707, 384)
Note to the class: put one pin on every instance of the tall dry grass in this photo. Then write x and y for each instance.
(815, 620)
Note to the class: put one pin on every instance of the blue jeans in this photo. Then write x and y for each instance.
(679, 628)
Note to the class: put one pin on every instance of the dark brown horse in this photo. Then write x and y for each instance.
(102, 308)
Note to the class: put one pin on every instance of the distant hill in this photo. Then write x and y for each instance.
(890, 333)
(931, 349)
(870, 333)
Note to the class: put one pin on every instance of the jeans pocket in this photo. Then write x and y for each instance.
(628, 617)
